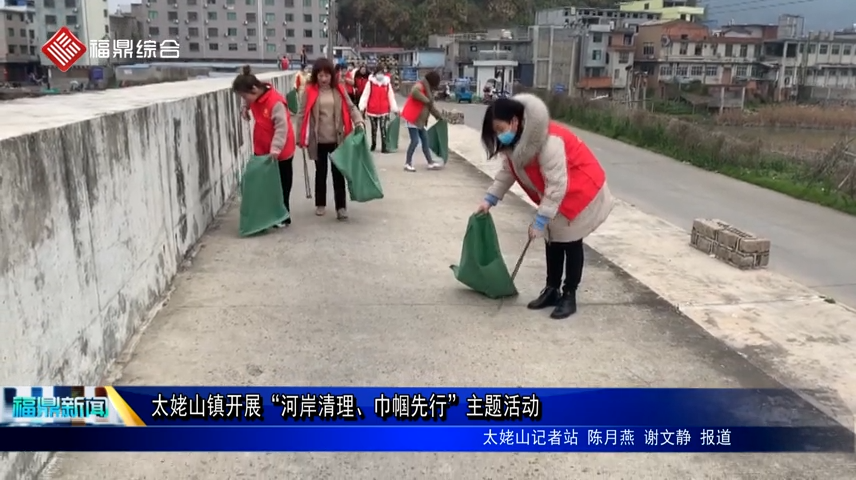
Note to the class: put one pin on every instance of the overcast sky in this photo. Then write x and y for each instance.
(819, 14)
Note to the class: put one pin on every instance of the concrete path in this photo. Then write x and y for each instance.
(811, 244)
(372, 302)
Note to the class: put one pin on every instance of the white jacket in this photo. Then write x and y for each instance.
(367, 93)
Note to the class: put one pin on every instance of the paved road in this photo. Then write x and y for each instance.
(372, 302)
(814, 245)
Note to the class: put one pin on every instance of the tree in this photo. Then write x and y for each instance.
(407, 24)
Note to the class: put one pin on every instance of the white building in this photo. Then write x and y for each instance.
(87, 19)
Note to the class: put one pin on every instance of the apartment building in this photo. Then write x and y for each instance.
(463, 49)
(677, 51)
(819, 59)
(667, 9)
(606, 63)
(571, 16)
(238, 30)
(87, 19)
(18, 47)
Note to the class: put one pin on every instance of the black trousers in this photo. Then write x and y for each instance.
(565, 259)
(379, 123)
(286, 176)
(321, 166)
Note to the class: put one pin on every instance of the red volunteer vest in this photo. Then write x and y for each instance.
(412, 107)
(349, 88)
(264, 128)
(378, 103)
(311, 98)
(585, 175)
(360, 84)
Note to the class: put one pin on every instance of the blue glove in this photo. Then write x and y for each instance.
(540, 222)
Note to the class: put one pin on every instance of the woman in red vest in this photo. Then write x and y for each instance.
(378, 101)
(361, 79)
(561, 175)
(325, 117)
(417, 108)
(272, 132)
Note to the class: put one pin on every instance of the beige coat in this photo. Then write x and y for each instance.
(536, 144)
(356, 119)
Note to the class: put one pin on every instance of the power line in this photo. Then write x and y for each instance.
(764, 7)
(767, 3)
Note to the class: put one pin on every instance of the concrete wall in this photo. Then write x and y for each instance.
(101, 196)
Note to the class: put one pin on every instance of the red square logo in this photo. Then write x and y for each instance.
(63, 49)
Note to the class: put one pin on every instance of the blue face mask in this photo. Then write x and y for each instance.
(506, 138)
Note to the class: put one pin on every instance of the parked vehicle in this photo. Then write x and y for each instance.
(463, 91)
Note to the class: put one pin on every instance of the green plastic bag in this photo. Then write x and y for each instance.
(291, 100)
(393, 130)
(438, 140)
(261, 196)
(482, 267)
(354, 159)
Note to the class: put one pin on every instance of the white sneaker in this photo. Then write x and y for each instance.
(435, 166)
(409, 168)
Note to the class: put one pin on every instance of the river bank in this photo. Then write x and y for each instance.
(823, 176)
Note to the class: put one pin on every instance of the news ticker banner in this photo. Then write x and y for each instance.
(453, 419)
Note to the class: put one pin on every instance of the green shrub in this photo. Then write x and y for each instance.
(824, 180)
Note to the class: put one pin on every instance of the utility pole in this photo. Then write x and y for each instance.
(332, 28)
(359, 39)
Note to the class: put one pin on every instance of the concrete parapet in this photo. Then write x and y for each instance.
(102, 196)
(729, 244)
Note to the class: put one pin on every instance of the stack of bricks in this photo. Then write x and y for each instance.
(731, 245)
(454, 117)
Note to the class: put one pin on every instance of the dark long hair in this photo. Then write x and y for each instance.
(245, 82)
(323, 65)
(364, 75)
(506, 110)
(433, 79)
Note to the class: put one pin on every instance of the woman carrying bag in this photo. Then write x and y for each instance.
(378, 102)
(417, 108)
(561, 175)
(325, 117)
(272, 132)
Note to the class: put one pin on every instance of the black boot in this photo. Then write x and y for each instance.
(374, 146)
(549, 297)
(383, 148)
(574, 260)
(566, 306)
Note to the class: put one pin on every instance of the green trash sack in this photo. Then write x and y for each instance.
(261, 196)
(438, 140)
(393, 130)
(354, 159)
(482, 267)
(292, 101)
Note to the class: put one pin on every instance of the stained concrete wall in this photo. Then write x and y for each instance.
(101, 197)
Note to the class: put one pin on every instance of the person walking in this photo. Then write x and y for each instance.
(361, 79)
(325, 117)
(561, 175)
(272, 132)
(301, 78)
(378, 103)
(418, 106)
(346, 76)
